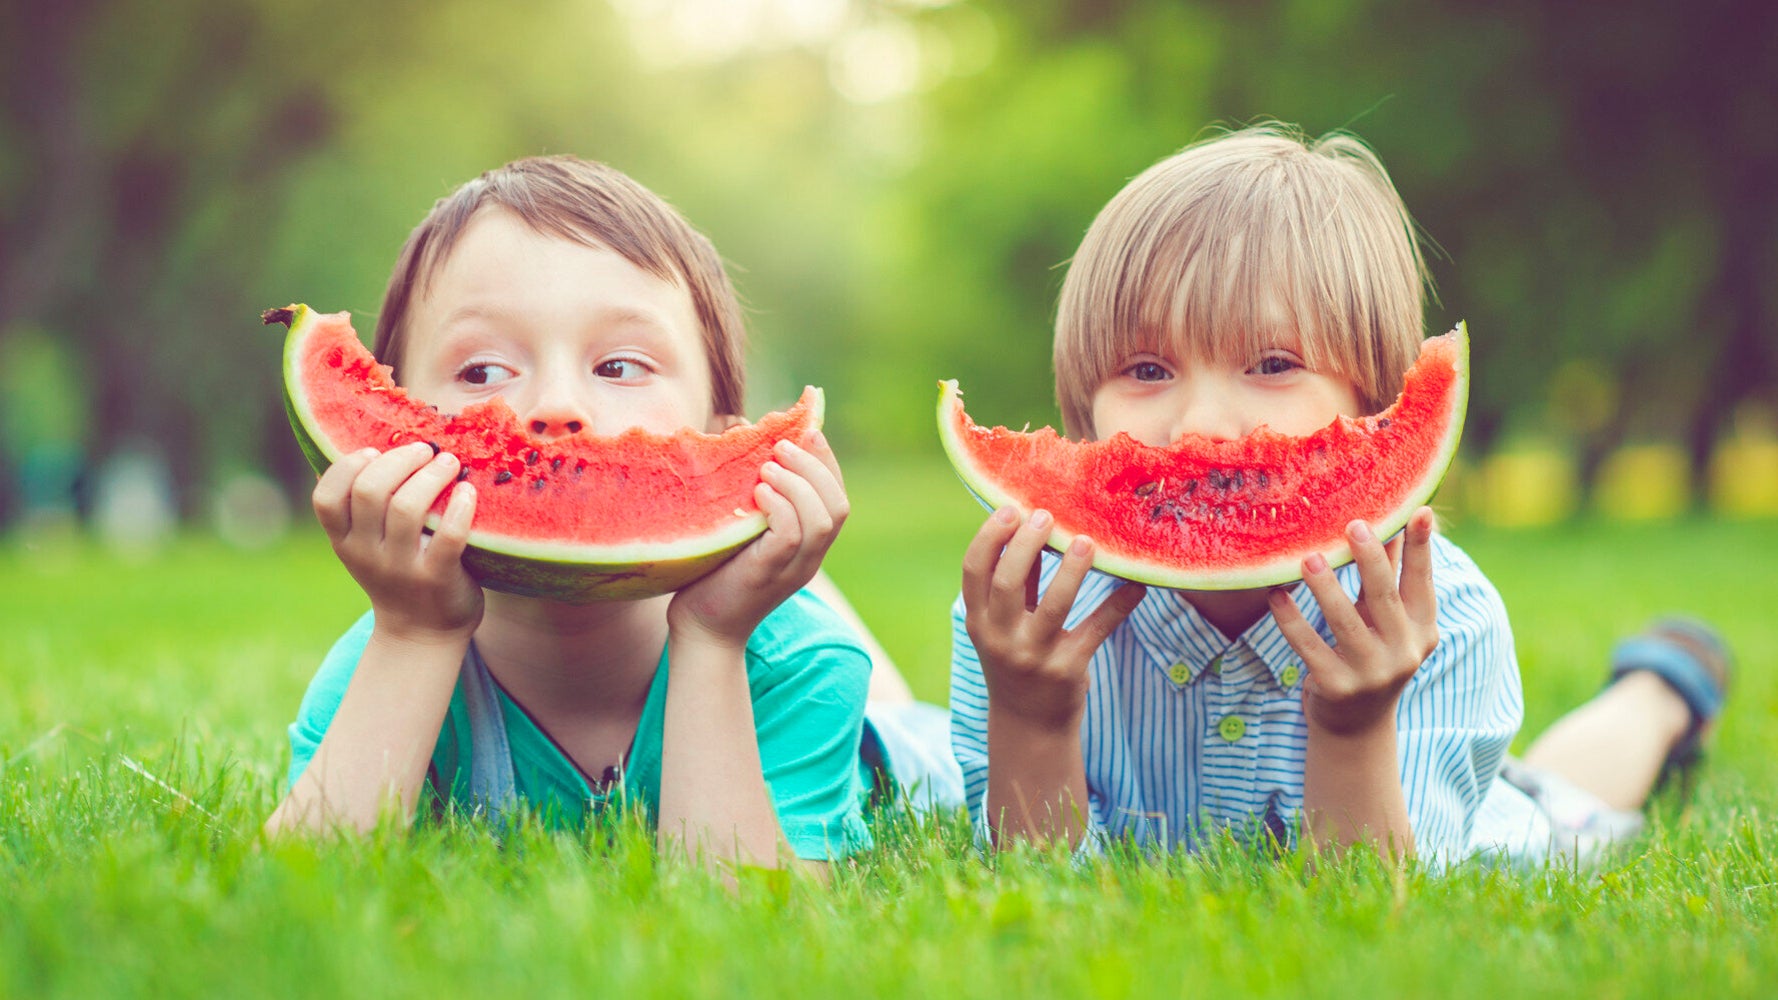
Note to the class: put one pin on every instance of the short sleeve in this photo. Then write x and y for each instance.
(810, 677)
(1459, 714)
(326, 690)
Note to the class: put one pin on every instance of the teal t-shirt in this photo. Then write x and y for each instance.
(808, 676)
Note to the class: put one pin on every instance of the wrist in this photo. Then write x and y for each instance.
(687, 636)
(1047, 731)
(1374, 743)
(399, 633)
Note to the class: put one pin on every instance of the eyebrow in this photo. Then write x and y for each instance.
(608, 316)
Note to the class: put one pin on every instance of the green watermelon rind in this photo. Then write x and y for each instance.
(1285, 567)
(567, 572)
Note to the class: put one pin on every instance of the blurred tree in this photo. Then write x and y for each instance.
(1597, 184)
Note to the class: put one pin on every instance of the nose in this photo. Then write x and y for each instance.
(544, 427)
(554, 411)
(1208, 411)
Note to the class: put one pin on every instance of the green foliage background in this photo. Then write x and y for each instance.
(1599, 184)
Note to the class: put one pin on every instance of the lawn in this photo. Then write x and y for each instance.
(142, 705)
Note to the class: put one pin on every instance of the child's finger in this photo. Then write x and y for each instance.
(784, 530)
(816, 444)
(413, 500)
(812, 514)
(1348, 628)
(822, 477)
(1303, 638)
(1381, 595)
(334, 491)
(1052, 611)
(373, 487)
(984, 554)
(452, 535)
(1418, 595)
(1009, 588)
(1111, 612)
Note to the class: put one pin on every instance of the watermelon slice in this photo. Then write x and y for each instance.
(1226, 515)
(577, 518)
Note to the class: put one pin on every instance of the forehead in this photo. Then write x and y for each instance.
(501, 267)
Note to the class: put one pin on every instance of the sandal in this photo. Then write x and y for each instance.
(1694, 661)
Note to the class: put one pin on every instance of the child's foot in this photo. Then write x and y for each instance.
(1694, 661)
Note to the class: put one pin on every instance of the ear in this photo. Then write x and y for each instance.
(720, 422)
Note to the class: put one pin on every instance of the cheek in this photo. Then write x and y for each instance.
(1113, 415)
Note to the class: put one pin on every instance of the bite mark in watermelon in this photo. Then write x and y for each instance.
(1203, 514)
(577, 518)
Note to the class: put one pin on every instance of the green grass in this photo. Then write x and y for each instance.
(142, 707)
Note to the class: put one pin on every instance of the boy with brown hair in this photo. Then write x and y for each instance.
(730, 711)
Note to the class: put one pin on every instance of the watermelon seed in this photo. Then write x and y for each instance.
(1263, 481)
(461, 476)
(1191, 486)
(502, 476)
(1222, 481)
(537, 485)
(580, 467)
(555, 464)
(1382, 421)
(531, 457)
(433, 446)
(1145, 489)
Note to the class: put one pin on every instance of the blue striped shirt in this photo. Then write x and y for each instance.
(1187, 733)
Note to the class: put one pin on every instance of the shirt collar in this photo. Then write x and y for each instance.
(1171, 631)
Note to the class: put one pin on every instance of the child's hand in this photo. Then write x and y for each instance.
(804, 500)
(373, 506)
(1036, 670)
(1379, 642)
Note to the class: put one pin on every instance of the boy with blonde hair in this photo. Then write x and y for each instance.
(1260, 278)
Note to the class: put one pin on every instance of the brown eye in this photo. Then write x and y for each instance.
(484, 374)
(1147, 371)
(1274, 364)
(620, 369)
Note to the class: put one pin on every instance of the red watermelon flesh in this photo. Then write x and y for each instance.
(577, 518)
(1203, 514)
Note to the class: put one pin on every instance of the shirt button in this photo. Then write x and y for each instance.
(1216, 664)
(1180, 673)
(1232, 727)
(1290, 675)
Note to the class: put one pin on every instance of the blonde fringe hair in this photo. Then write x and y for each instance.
(1215, 248)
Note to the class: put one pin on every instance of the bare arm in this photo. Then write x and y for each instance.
(714, 802)
(1036, 674)
(375, 753)
(1352, 790)
(373, 507)
(715, 805)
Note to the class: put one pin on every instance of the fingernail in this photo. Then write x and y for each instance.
(368, 453)
(1316, 563)
(1006, 515)
(771, 469)
(790, 447)
(1041, 519)
(1358, 531)
(1081, 546)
